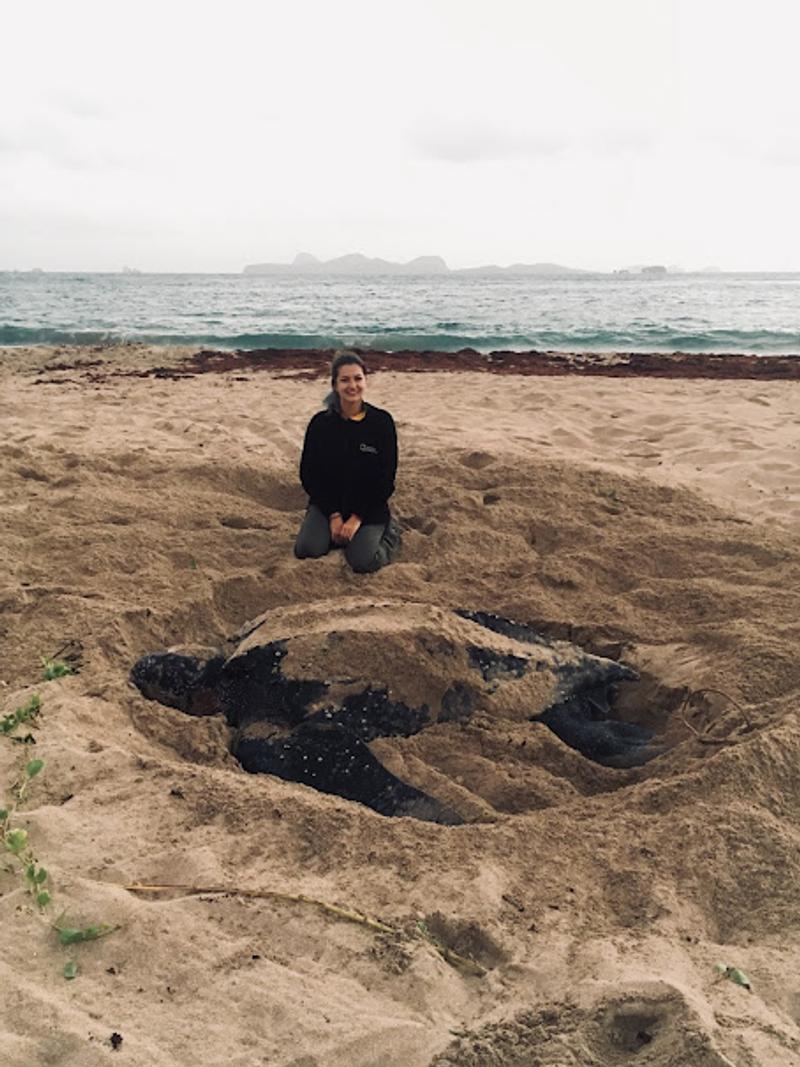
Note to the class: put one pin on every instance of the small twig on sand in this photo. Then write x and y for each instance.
(701, 737)
(453, 958)
(729, 698)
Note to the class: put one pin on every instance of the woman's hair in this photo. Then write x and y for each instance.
(341, 359)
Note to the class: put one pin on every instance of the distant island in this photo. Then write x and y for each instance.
(358, 265)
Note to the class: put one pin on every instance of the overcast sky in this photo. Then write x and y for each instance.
(593, 133)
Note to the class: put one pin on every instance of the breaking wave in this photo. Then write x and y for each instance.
(652, 339)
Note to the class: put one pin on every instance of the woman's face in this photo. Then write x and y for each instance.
(350, 385)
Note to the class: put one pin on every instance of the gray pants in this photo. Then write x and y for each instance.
(373, 546)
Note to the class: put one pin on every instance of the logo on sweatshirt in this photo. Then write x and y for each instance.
(368, 448)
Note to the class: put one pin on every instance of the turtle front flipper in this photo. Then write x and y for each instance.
(332, 759)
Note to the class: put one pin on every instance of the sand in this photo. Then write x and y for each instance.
(652, 520)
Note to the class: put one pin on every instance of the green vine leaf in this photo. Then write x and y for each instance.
(74, 935)
(33, 767)
(16, 841)
(9, 723)
(55, 668)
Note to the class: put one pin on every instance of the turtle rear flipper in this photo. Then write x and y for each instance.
(609, 742)
(427, 809)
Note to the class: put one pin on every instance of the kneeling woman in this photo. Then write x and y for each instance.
(347, 468)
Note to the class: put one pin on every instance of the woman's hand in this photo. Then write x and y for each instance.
(349, 529)
(336, 523)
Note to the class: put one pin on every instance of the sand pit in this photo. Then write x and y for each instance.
(654, 522)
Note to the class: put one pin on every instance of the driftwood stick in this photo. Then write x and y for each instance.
(265, 894)
(461, 962)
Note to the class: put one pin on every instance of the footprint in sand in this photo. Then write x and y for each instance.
(477, 460)
(420, 523)
(241, 522)
(571, 440)
(32, 474)
(544, 539)
(777, 466)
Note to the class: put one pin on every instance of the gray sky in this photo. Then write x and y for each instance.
(594, 133)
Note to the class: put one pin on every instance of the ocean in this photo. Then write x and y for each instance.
(757, 313)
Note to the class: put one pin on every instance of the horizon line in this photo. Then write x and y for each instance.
(635, 271)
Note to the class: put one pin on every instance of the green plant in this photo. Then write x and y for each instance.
(28, 711)
(15, 840)
(16, 844)
(55, 668)
(75, 935)
(733, 974)
(32, 768)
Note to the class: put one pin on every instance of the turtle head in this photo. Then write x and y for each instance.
(179, 681)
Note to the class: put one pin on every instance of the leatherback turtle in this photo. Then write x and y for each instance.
(309, 686)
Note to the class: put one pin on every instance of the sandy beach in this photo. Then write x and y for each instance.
(578, 916)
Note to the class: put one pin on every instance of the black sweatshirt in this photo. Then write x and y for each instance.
(349, 466)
